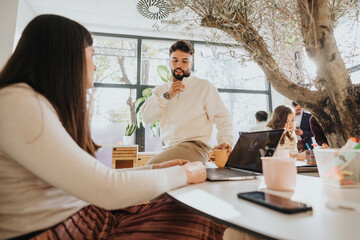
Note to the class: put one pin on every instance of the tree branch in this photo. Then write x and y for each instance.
(123, 70)
(255, 45)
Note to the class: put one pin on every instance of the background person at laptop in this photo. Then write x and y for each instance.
(261, 121)
(283, 117)
(187, 107)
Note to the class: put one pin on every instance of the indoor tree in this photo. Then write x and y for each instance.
(270, 30)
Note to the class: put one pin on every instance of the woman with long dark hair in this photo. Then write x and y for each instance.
(51, 186)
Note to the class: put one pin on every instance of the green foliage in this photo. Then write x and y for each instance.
(146, 93)
(155, 127)
(130, 129)
(138, 103)
(164, 73)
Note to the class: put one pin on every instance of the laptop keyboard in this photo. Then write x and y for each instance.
(225, 172)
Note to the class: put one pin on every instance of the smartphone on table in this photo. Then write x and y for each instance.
(274, 202)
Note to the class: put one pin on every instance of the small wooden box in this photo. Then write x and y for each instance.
(124, 156)
(144, 157)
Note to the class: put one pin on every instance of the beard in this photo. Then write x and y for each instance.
(180, 77)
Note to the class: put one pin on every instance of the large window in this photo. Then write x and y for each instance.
(243, 107)
(110, 113)
(126, 65)
(225, 68)
(153, 54)
(115, 60)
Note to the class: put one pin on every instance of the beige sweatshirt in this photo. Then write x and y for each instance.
(46, 177)
(189, 115)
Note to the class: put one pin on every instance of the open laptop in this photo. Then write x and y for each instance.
(244, 161)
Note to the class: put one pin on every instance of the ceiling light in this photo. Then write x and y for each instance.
(153, 9)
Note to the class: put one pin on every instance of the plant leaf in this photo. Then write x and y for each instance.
(127, 130)
(139, 120)
(147, 92)
(138, 103)
(133, 129)
(154, 127)
(163, 73)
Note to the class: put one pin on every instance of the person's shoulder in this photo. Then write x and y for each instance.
(263, 123)
(199, 80)
(203, 83)
(17, 90)
(312, 119)
(261, 126)
(307, 114)
(20, 95)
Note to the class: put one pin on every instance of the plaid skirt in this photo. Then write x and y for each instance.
(160, 219)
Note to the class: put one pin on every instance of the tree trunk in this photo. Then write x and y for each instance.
(132, 106)
(126, 80)
(145, 72)
(90, 103)
(339, 114)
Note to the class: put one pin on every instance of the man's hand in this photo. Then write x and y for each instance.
(176, 87)
(224, 146)
(171, 163)
(299, 132)
(324, 145)
(195, 172)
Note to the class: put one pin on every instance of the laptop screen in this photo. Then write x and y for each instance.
(250, 147)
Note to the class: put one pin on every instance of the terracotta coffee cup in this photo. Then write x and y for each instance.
(220, 157)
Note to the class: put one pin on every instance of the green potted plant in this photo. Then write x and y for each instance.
(165, 74)
(128, 138)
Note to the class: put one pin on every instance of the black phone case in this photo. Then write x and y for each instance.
(256, 197)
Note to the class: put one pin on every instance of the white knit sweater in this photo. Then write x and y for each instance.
(191, 114)
(46, 177)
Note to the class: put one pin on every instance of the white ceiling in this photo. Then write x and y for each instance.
(113, 16)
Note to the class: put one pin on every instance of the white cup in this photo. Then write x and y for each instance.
(279, 173)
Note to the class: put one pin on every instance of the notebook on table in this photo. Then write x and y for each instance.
(303, 166)
(245, 160)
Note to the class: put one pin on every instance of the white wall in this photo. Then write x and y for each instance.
(14, 16)
(8, 15)
(25, 15)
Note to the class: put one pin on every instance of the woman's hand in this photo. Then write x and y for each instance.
(171, 163)
(195, 172)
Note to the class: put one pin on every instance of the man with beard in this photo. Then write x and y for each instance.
(187, 107)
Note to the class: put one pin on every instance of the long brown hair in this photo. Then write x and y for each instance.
(50, 57)
(279, 119)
